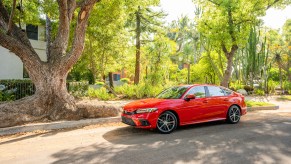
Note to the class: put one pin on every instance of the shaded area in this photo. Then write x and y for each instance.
(259, 141)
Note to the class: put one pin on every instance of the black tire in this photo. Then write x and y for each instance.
(167, 122)
(233, 114)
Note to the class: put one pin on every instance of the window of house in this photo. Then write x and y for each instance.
(116, 77)
(32, 32)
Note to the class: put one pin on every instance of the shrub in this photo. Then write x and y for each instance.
(248, 88)
(236, 86)
(78, 89)
(138, 91)
(16, 89)
(101, 94)
(272, 86)
(287, 86)
(125, 80)
(259, 92)
(6, 96)
(99, 83)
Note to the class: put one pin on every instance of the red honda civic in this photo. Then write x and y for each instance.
(183, 105)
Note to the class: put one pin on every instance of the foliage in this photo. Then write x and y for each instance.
(141, 90)
(250, 103)
(6, 96)
(259, 92)
(236, 86)
(101, 93)
(125, 80)
(78, 89)
(16, 89)
(284, 98)
(99, 83)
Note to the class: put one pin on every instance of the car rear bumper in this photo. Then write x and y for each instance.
(244, 111)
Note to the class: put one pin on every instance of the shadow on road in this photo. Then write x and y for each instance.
(216, 142)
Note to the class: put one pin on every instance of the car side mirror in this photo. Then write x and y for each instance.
(189, 97)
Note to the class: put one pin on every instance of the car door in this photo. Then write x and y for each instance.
(216, 103)
(195, 107)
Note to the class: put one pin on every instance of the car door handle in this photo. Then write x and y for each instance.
(205, 101)
(225, 99)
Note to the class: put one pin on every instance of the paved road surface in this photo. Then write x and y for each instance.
(260, 137)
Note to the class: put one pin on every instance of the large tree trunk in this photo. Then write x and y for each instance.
(137, 45)
(51, 100)
(228, 71)
(227, 74)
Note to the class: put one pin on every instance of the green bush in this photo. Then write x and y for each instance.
(287, 86)
(272, 86)
(99, 83)
(4, 96)
(125, 80)
(236, 85)
(248, 88)
(100, 93)
(16, 89)
(78, 89)
(259, 92)
(138, 91)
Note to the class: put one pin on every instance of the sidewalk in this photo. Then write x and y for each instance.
(57, 125)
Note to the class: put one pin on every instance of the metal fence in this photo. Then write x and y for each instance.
(11, 90)
(15, 89)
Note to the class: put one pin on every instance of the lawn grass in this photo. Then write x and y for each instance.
(250, 103)
(284, 98)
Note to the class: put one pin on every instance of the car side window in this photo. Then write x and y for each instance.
(215, 91)
(227, 92)
(199, 91)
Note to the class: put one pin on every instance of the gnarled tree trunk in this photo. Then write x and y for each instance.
(51, 100)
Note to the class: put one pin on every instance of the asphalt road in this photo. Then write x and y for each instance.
(260, 137)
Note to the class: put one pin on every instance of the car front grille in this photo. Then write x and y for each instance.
(127, 121)
(128, 113)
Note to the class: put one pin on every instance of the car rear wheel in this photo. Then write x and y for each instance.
(233, 114)
(167, 122)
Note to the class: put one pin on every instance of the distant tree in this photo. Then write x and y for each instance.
(227, 24)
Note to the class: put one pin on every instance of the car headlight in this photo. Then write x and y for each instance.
(146, 110)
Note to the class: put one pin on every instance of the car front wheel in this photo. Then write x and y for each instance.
(233, 115)
(167, 122)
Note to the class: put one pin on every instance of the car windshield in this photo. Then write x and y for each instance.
(173, 92)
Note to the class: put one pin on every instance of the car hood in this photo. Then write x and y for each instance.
(144, 103)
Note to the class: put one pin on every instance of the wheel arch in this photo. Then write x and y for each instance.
(175, 113)
(238, 107)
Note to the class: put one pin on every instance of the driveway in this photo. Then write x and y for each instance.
(260, 137)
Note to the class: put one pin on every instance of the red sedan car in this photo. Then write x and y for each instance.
(183, 105)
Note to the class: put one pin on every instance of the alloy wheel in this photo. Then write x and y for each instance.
(234, 114)
(167, 122)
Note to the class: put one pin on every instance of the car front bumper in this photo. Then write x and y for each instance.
(144, 120)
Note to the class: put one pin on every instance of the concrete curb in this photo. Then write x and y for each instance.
(82, 123)
(57, 125)
(251, 109)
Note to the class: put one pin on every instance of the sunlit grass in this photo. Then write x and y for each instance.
(284, 98)
(257, 104)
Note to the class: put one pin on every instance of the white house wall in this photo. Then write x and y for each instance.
(11, 67)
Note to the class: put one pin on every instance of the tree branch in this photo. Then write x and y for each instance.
(17, 41)
(79, 36)
(60, 44)
(11, 17)
(272, 4)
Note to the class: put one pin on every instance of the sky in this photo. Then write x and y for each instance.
(274, 18)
